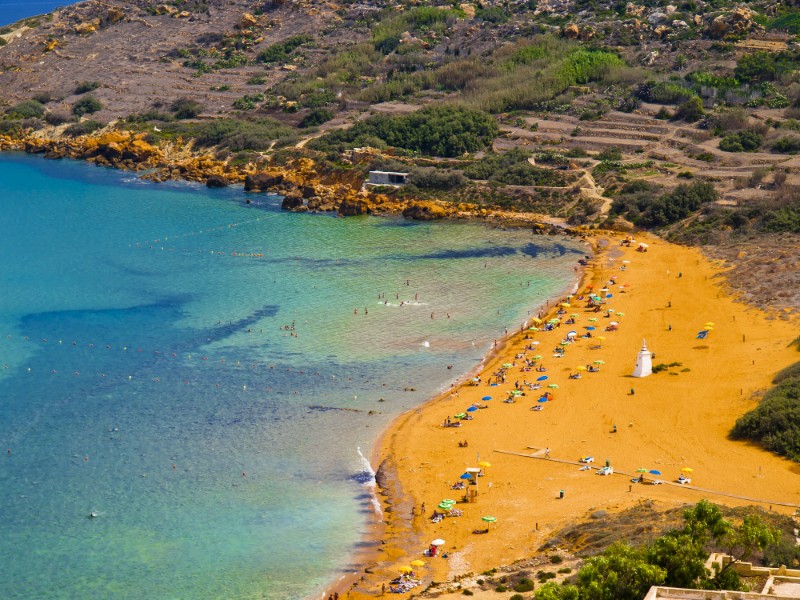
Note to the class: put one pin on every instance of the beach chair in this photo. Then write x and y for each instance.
(586, 459)
(606, 471)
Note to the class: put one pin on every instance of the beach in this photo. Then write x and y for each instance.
(675, 421)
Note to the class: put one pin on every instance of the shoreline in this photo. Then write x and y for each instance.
(398, 537)
(369, 553)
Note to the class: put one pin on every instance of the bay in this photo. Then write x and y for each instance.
(205, 375)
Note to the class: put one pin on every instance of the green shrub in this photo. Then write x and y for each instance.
(248, 101)
(257, 80)
(186, 108)
(512, 168)
(524, 585)
(280, 52)
(612, 154)
(316, 116)
(467, 592)
(492, 14)
(787, 145)
(26, 109)
(86, 86)
(518, 596)
(556, 559)
(437, 179)
(690, 111)
(637, 200)
(83, 128)
(789, 22)
(86, 105)
(238, 135)
(501, 588)
(742, 141)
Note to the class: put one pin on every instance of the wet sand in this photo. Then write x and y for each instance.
(668, 421)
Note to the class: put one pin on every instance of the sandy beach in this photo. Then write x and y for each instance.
(672, 420)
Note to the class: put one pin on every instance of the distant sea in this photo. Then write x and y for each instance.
(12, 11)
(187, 392)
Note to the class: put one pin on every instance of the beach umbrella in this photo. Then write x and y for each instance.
(591, 328)
(449, 501)
(507, 365)
(542, 399)
(580, 368)
(486, 398)
(593, 319)
(493, 384)
(445, 506)
(535, 343)
(537, 357)
(465, 476)
(573, 315)
(516, 392)
(406, 569)
(488, 519)
(565, 305)
(627, 262)
(572, 333)
(533, 329)
(599, 362)
(600, 337)
(687, 470)
(460, 415)
(542, 378)
(709, 324)
(641, 470)
(484, 464)
(620, 314)
(472, 408)
(553, 385)
(654, 472)
(437, 542)
(553, 321)
(614, 323)
(609, 295)
(564, 343)
(536, 320)
(417, 563)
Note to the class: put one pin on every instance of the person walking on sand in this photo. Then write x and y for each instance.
(547, 452)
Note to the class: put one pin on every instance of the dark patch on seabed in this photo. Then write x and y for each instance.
(490, 252)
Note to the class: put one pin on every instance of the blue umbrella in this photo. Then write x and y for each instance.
(465, 476)
(486, 398)
(493, 385)
(609, 295)
(655, 472)
(542, 399)
(590, 328)
(472, 409)
(542, 378)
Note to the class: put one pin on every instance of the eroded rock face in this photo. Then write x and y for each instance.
(292, 202)
(424, 211)
(216, 181)
(262, 182)
(351, 207)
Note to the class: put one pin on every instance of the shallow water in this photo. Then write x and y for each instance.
(147, 376)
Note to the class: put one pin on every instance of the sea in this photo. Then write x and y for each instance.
(12, 11)
(192, 381)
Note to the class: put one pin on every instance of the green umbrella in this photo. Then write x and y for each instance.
(445, 506)
(554, 321)
(620, 314)
(533, 329)
(593, 319)
(449, 501)
(516, 392)
(488, 519)
(573, 315)
(642, 470)
(553, 385)
(507, 365)
(537, 357)
(599, 362)
(460, 415)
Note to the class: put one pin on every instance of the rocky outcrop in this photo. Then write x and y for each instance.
(262, 182)
(737, 22)
(424, 211)
(354, 206)
(216, 181)
(292, 203)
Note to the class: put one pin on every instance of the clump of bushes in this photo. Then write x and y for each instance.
(640, 204)
(282, 51)
(437, 131)
(787, 145)
(512, 168)
(186, 108)
(775, 422)
(27, 109)
(86, 105)
(741, 141)
(86, 86)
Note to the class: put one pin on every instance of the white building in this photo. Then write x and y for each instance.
(644, 362)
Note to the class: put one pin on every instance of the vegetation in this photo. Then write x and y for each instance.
(86, 105)
(86, 86)
(26, 109)
(437, 131)
(676, 559)
(512, 168)
(186, 108)
(282, 51)
(775, 422)
(742, 141)
(638, 203)
(82, 128)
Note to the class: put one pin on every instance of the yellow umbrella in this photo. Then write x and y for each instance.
(417, 563)
(406, 569)
(600, 337)
(484, 464)
(687, 470)
(580, 368)
(564, 305)
(709, 324)
(536, 320)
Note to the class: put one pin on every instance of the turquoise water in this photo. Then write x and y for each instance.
(150, 375)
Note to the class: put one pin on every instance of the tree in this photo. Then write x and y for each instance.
(620, 573)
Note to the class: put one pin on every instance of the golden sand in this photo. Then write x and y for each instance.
(673, 420)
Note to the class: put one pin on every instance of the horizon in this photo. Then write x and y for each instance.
(12, 11)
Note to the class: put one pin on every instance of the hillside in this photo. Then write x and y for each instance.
(600, 113)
